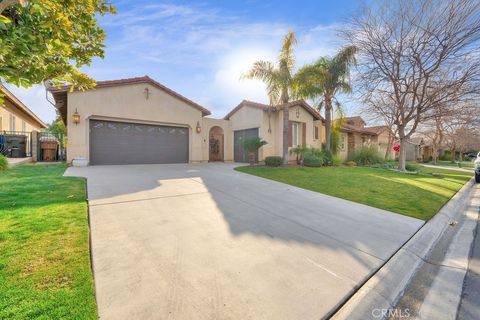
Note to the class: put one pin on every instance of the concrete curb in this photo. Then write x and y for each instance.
(382, 291)
(444, 295)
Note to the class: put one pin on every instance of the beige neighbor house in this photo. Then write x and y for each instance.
(354, 135)
(140, 121)
(17, 122)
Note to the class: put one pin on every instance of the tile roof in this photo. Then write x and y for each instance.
(265, 107)
(144, 79)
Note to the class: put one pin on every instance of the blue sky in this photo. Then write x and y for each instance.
(201, 48)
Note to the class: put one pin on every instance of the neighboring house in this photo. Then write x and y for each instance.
(414, 149)
(17, 122)
(354, 135)
(139, 120)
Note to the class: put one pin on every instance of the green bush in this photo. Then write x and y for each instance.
(410, 167)
(327, 157)
(312, 161)
(3, 163)
(336, 160)
(367, 156)
(273, 161)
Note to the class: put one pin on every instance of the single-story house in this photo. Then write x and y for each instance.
(414, 149)
(140, 121)
(17, 122)
(354, 134)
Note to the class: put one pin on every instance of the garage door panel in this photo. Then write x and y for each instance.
(239, 153)
(131, 143)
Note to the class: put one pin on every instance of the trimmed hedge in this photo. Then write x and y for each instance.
(312, 161)
(273, 161)
(3, 163)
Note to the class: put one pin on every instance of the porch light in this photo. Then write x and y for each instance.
(198, 128)
(76, 117)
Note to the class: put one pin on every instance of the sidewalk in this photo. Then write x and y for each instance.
(470, 303)
(448, 168)
(424, 279)
(435, 292)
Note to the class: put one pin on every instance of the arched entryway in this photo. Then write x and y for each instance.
(215, 139)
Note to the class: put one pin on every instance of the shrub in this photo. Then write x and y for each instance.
(367, 156)
(251, 145)
(312, 161)
(300, 152)
(273, 161)
(336, 160)
(410, 167)
(3, 163)
(327, 157)
(351, 163)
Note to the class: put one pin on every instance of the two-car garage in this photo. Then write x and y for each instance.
(114, 142)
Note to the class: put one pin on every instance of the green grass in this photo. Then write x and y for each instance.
(44, 243)
(419, 196)
(464, 164)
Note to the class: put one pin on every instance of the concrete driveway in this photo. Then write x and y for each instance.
(206, 242)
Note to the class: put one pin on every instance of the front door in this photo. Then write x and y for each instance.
(215, 144)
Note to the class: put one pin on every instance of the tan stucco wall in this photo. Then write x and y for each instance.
(128, 103)
(209, 123)
(303, 117)
(250, 117)
(6, 110)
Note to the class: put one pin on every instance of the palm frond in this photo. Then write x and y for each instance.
(287, 58)
(261, 70)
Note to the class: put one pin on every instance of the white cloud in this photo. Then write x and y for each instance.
(34, 99)
(202, 52)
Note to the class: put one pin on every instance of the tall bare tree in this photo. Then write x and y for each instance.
(415, 54)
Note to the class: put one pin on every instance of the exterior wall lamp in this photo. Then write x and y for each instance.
(198, 128)
(76, 117)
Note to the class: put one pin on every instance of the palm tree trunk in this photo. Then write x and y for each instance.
(328, 121)
(285, 133)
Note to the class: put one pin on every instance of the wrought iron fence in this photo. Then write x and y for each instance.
(16, 144)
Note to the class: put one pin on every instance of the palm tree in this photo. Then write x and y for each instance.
(279, 80)
(325, 78)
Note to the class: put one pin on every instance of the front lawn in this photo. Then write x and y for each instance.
(463, 164)
(419, 196)
(44, 243)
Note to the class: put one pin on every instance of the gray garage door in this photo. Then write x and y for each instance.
(239, 153)
(133, 143)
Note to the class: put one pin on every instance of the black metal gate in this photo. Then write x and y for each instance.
(51, 146)
(16, 144)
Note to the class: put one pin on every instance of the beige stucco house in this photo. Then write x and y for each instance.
(17, 122)
(139, 120)
(354, 134)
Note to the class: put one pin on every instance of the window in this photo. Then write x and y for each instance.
(295, 127)
(315, 133)
(342, 142)
(12, 122)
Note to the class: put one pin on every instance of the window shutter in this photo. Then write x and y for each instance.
(304, 134)
(289, 133)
